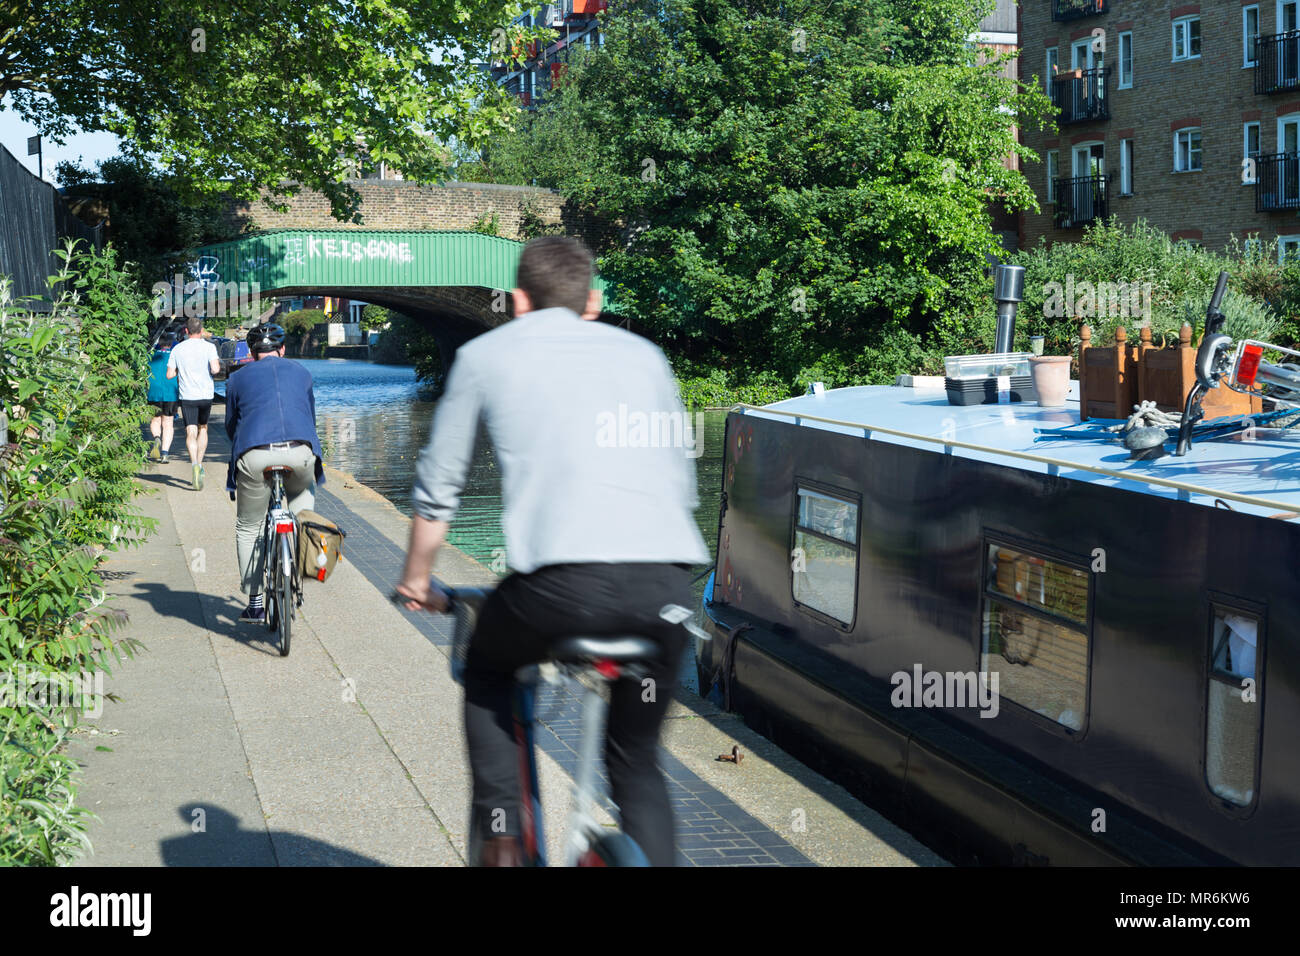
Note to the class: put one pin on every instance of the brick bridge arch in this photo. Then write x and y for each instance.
(412, 251)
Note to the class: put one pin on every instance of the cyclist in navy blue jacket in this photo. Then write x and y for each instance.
(271, 420)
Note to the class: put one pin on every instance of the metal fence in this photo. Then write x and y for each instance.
(34, 221)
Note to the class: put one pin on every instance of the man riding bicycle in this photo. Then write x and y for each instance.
(600, 534)
(271, 420)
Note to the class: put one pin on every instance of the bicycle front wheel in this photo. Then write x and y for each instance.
(284, 590)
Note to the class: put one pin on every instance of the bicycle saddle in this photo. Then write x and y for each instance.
(620, 648)
(272, 469)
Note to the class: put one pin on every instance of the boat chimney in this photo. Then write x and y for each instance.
(1008, 292)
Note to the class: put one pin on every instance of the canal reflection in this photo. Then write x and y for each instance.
(374, 424)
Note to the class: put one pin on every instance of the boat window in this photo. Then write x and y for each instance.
(826, 556)
(1233, 711)
(1035, 633)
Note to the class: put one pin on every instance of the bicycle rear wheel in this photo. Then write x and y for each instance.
(614, 849)
(284, 590)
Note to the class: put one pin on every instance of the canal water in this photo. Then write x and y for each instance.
(373, 424)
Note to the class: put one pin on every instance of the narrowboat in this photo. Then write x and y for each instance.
(1025, 647)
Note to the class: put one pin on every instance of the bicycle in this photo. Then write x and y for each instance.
(597, 659)
(281, 582)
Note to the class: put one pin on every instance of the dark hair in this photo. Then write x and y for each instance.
(555, 271)
(194, 325)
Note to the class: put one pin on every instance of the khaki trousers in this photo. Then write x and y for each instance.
(253, 493)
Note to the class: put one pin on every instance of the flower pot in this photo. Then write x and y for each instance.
(1051, 374)
(1108, 377)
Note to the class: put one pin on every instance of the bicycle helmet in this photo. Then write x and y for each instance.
(265, 338)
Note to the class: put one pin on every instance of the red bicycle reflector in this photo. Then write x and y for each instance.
(283, 526)
(607, 669)
(1249, 366)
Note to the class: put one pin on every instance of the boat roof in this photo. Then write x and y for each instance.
(1258, 476)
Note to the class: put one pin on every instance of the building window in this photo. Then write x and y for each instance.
(1187, 150)
(1035, 633)
(1126, 167)
(1126, 60)
(826, 554)
(1249, 35)
(1288, 247)
(1249, 153)
(1187, 38)
(1232, 721)
(1052, 63)
(1053, 170)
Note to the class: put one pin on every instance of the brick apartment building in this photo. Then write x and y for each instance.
(531, 71)
(1185, 114)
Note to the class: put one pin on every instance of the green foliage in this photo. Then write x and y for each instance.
(150, 222)
(40, 823)
(487, 224)
(407, 341)
(374, 317)
(714, 389)
(263, 92)
(803, 189)
(302, 321)
(1165, 284)
(72, 385)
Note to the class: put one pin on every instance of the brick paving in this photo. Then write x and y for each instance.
(712, 830)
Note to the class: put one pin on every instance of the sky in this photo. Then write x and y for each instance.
(88, 148)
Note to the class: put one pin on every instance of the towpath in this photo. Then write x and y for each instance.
(349, 751)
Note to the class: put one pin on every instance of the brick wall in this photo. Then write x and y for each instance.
(1213, 92)
(396, 204)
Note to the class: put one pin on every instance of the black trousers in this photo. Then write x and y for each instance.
(517, 625)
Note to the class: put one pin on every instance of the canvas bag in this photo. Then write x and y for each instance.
(320, 545)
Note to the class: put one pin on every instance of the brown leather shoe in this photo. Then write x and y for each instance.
(501, 851)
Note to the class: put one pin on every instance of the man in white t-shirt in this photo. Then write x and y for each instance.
(194, 362)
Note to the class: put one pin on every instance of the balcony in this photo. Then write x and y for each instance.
(1077, 9)
(1080, 95)
(1277, 62)
(1081, 200)
(1277, 182)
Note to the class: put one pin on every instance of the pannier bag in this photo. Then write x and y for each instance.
(320, 545)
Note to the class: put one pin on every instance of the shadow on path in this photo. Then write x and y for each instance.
(217, 839)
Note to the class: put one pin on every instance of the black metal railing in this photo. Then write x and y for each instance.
(1277, 182)
(1081, 200)
(1074, 9)
(1081, 98)
(1277, 62)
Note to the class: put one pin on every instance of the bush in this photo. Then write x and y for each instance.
(72, 386)
(1148, 279)
(302, 321)
(374, 317)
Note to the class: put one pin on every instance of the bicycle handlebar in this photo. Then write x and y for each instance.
(1219, 289)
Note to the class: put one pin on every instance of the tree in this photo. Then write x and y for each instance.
(374, 317)
(302, 321)
(804, 191)
(149, 222)
(241, 94)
